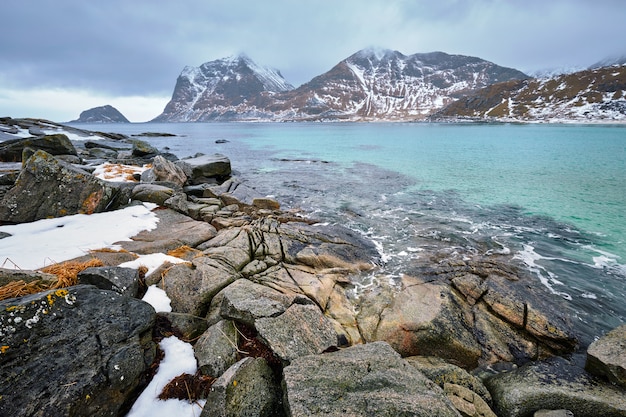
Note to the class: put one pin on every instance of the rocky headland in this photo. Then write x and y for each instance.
(266, 296)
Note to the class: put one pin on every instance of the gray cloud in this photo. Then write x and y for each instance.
(138, 48)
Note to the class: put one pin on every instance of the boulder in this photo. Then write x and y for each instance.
(191, 288)
(441, 372)
(245, 301)
(74, 351)
(47, 187)
(363, 380)
(173, 230)
(190, 327)
(246, 389)
(428, 319)
(164, 171)
(124, 281)
(143, 149)
(233, 191)
(478, 311)
(58, 144)
(152, 193)
(322, 246)
(301, 330)
(206, 167)
(607, 356)
(216, 349)
(554, 384)
(467, 401)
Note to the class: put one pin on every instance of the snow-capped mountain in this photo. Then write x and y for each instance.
(228, 88)
(372, 84)
(585, 96)
(376, 84)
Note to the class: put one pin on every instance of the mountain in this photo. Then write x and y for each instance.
(591, 95)
(102, 114)
(225, 89)
(372, 84)
(376, 84)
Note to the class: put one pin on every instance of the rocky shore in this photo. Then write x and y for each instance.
(267, 299)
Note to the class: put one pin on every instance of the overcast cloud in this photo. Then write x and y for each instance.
(60, 57)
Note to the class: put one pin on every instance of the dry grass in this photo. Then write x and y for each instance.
(184, 252)
(21, 288)
(120, 170)
(66, 272)
(188, 387)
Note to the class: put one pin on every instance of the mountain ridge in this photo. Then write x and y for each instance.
(591, 95)
(371, 84)
(377, 84)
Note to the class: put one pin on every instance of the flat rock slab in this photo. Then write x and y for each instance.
(173, 230)
(363, 380)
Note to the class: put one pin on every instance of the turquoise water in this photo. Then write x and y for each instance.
(549, 196)
(575, 174)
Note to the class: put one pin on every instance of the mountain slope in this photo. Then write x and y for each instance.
(590, 95)
(369, 85)
(222, 89)
(102, 114)
(384, 84)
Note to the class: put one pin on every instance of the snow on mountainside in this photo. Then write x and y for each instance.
(594, 95)
(387, 85)
(221, 89)
(369, 85)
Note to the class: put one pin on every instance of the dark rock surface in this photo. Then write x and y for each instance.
(75, 351)
(47, 187)
(57, 144)
(208, 166)
(121, 280)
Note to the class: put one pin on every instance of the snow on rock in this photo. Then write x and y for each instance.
(43, 242)
(178, 359)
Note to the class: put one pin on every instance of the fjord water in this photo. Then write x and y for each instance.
(550, 197)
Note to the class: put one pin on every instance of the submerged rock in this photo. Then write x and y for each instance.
(74, 351)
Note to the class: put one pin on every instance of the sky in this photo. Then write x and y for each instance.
(60, 57)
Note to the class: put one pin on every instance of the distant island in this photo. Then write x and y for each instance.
(102, 114)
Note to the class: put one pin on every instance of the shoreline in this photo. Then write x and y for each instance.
(247, 262)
